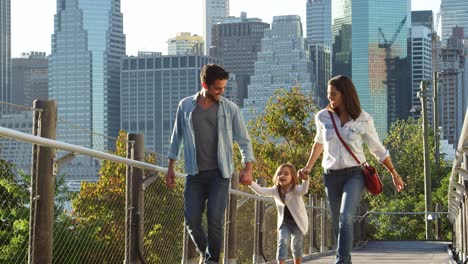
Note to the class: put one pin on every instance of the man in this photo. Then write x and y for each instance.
(207, 123)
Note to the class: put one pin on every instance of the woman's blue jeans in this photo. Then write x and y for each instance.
(344, 190)
(210, 189)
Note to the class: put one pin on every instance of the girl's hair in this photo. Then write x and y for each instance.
(349, 95)
(292, 171)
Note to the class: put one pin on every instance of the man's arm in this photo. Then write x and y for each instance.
(174, 148)
(241, 136)
(170, 175)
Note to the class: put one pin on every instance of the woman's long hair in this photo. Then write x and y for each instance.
(349, 95)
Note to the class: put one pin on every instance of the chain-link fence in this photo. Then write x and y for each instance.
(163, 215)
(90, 204)
(90, 211)
(15, 170)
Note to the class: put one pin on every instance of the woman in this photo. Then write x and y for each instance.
(343, 178)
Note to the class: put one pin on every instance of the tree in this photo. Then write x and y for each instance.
(404, 142)
(14, 214)
(285, 133)
(95, 230)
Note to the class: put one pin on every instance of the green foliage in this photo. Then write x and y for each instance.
(94, 232)
(284, 133)
(14, 214)
(405, 143)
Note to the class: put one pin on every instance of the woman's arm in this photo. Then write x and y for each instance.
(397, 181)
(314, 154)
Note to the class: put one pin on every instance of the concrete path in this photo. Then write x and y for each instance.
(394, 252)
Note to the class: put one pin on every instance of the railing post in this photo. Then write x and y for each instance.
(323, 226)
(464, 211)
(312, 203)
(257, 237)
(438, 223)
(230, 244)
(42, 185)
(134, 211)
(189, 251)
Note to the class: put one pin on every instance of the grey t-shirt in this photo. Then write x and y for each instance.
(205, 125)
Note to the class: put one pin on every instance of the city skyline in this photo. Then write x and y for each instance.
(176, 16)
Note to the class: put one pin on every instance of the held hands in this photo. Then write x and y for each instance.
(303, 173)
(245, 176)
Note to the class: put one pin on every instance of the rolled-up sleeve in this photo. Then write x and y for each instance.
(241, 136)
(319, 135)
(176, 137)
(373, 141)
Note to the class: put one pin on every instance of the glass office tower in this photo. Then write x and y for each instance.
(379, 41)
(341, 37)
(319, 22)
(5, 50)
(84, 68)
(214, 11)
(454, 13)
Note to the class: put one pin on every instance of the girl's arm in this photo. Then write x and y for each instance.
(304, 187)
(263, 191)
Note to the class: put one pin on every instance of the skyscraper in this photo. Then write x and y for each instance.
(422, 18)
(454, 14)
(214, 11)
(452, 92)
(321, 67)
(319, 21)
(5, 50)
(84, 68)
(185, 44)
(421, 66)
(341, 37)
(282, 63)
(236, 42)
(379, 42)
(30, 78)
(152, 87)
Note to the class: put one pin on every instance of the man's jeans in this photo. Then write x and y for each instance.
(210, 188)
(344, 191)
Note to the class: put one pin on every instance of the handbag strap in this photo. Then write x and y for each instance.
(341, 139)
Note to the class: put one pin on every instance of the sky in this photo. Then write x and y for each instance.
(148, 24)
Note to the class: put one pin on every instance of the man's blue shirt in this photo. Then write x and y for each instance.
(231, 127)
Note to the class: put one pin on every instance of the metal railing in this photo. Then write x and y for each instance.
(458, 197)
(89, 227)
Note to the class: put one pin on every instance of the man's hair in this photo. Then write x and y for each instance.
(212, 72)
(348, 93)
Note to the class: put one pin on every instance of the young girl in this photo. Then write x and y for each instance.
(292, 215)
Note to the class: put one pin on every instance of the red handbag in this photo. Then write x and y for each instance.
(372, 179)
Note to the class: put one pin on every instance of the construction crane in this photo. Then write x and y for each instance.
(391, 71)
(387, 45)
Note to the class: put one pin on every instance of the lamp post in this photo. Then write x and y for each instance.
(422, 94)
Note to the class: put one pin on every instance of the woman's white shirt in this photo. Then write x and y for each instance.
(354, 133)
